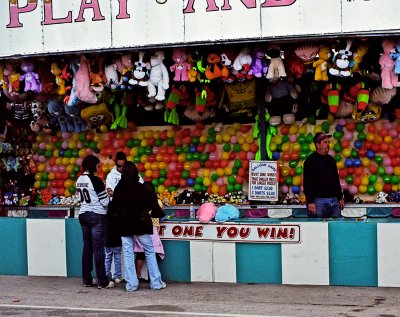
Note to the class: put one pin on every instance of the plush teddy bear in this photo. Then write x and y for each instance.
(83, 91)
(56, 110)
(40, 120)
(276, 67)
(396, 57)
(181, 66)
(341, 62)
(281, 98)
(140, 72)
(11, 79)
(112, 76)
(159, 77)
(242, 64)
(32, 81)
(321, 65)
(389, 78)
(215, 69)
(227, 59)
(259, 66)
(124, 67)
(381, 198)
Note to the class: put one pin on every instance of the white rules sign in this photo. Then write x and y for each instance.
(230, 232)
(263, 180)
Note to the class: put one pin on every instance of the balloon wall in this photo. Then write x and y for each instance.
(205, 158)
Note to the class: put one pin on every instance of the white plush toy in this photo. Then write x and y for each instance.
(159, 77)
(381, 198)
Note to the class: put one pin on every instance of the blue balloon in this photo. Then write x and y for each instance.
(193, 149)
(339, 127)
(190, 181)
(370, 154)
(295, 189)
(349, 162)
(357, 162)
(275, 155)
(61, 152)
(358, 144)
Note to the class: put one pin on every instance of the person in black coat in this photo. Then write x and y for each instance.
(131, 206)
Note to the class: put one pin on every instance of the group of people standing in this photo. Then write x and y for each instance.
(123, 214)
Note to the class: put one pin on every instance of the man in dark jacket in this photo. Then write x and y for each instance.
(321, 181)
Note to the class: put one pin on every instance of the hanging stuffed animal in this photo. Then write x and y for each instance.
(227, 59)
(358, 55)
(96, 115)
(180, 66)
(215, 69)
(140, 72)
(159, 77)
(341, 62)
(71, 99)
(40, 120)
(276, 69)
(11, 79)
(124, 67)
(389, 78)
(74, 118)
(97, 76)
(321, 65)
(307, 53)
(60, 82)
(242, 64)
(83, 91)
(259, 66)
(331, 96)
(112, 76)
(396, 57)
(32, 80)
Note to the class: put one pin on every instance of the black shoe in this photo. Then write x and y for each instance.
(142, 280)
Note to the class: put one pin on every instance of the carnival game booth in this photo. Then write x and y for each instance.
(194, 119)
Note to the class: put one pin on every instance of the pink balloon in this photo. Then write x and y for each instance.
(172, 166)
(42, 145)
(54, 169)
(155, 150)
(79, 145)
(342, 121)
(35, 157)
(54, 191)
(42, 159)
(353, 189)
(387, 125)
(284, 189)
(343, 184)
(79, 161)
(212, 156)
(66, 135)
(387, 161)
(220, 181)
(61, 168)
(48, 169)
(250, 155)
(348, 135)
(393, 133)
(64, 145)
(234, 139)
(293, 138)
(89, 151)
(389, 170)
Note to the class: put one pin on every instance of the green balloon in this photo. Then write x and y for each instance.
(325, 126)
(76, 169)
(48, 154)
(360, 126)
(75, 153)
(163, 173)
(238, 187)
(303, 155)
(204, 157)
(45, 176)
(227, 147)
(337, 147)
(195, 140)
(211, 139)
(68, 153)
(299, 170)
(86, 144)
(172, 189)
(196, 156)
(214, 177)
(235, 170)
(155, 182)
(349, 179)
(293, 163)
(141, 150)
(371, 189)
(92, 145)
(40, 151)
(82, 137)
(337, 158)
(395, 179)
(304, 148)
(289, 180)
(362, 136)
(301, 139)
(387, 179)
(186, 149)
(185, 174)
(72, 176)
(130, 144)
(230, 188)
(211, 132)
(170, 141)
(309, 138)
(338, 135)
(189, 157)
(179, 150)
(43, 184)
(231, 180)
(72, 189)
(161, 180)
(285, 138)
(59, 145)
(197, 187)
(354, 153)
(137, 142)
(378, 159)
(372, 179)
(237, 148)
(199, 180)
(237, 163)
(148, 150)
(381, 171)
(158, 142)
(136, 159)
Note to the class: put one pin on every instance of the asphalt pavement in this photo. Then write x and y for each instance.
(60, 296)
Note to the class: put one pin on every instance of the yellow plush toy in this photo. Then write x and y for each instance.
(358, 56)
(96, 115)
(321, 65)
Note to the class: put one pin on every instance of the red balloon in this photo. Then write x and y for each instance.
(174, 158)
(294, 156)
(193, 173)
(362, 152)
(140, 167)
(371, 128)
(376, 148)
(384, 147)
(179, 166)
(359, 171)
(245, 164)
(177, 174)
(155, 174)
(221, 190)
(196, 165)
(224, 163)
(217, 163)
(286, 156)
(373, 168)
(54, 184)
(201, 147)
(209, 164)
(253, 147)
(350, 170)
(232, 156)
(171, 150)
(395, 161)
(241, 172)
(151, 158)
(175, 182)
(163, 150)
(212, 148)
(197, 133)
(391, 153)
(357, 180)
(182, 183)
(292, 172)
(368, 145)
(187, 140)
(351, 126)
(61, 191)
(383, 132)
(166, 158)
(167, 182)
(239, 179)
(163, 135)
(343, 173)
(242, 155)
(285, 129)
(387, 188)
(178, 141)
(151, 141)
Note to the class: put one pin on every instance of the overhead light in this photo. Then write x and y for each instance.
(161, 1)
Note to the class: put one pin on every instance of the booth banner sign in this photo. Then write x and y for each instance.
(37, 27)
(230, 232)
(263, 180)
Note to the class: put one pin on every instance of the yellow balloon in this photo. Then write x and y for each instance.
(249, 139)
(237, 126)
(272, 146)
(96, 137)
(156, 134)
(143, 142)
(170, 133)
(147, 165)
(395, 188)
(379, 186)
(154, 166)
(225, 155)
(162, 165)
(65, 161)
(219, 171)
(347, 152)
(378, 139)
(36, 184)
(41, 167)
(396, 170)
(99, 145)
(370, 136)
(296, 146)
(129, 158)
(302, 130)
(317, 128)
(143, 158)
(38, 176)
(241, 139)
(49, 146)
(219, 139)
(134, 151)
(148, 134)
(160, 189)
(72, 160)
(246, 147)
(340, 165)
(285, 170)
(231, 131)
(215, 189)
(58, 161)
(187, 166)
(103, 128)
(362, 189)
(69, 169)
(206, 172)
(203, 139)
(182, 157)
(82, 153)
(226, 138)
(296, 180)
(68, 183)
(140, 135)
(278, 139)
(286, 147)
(364, 180)
(148, 173)
(312, 147)
(206, 181)
(293, 129)
(331, 118)
(56, 153)
(365, 162)
(52, 176)
(228, 171)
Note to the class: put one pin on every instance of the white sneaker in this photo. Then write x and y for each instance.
(111, 284)
(163, 285)
(118, 280)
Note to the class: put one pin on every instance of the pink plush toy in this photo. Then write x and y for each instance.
(389, 78)
(206, 212)
(32, 81)
(180, 67)
(83, 91)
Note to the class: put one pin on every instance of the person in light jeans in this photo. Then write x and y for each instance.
(131, 206)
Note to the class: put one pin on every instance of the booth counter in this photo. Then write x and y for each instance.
(357, 250)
